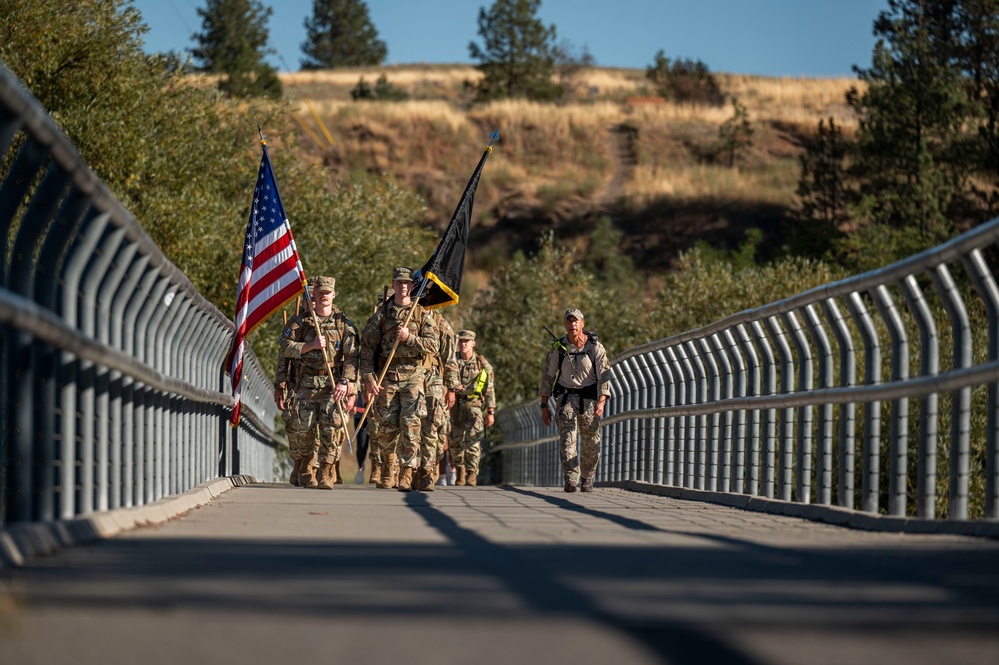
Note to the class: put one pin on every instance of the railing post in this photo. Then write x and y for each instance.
(768, 451)
(870, 464)
(824, 464)
(682, 373)
(749, 479)
(786, 436)
(847, 412)
(713, 439)
(727, 392)
(739, 434)
(696, 454)
(988, 291)
(899, 430)
(803, 441)
(960, 428)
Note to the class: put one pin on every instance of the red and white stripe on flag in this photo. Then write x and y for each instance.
(271, 273)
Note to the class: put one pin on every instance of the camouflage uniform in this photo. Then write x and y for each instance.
(443, 375)
(283, 376)
(467, 423)
(576, 382)
(316, 424)
(401, 405)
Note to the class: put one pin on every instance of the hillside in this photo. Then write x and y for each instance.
(652, 167)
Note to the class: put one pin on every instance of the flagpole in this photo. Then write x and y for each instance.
(315, 322)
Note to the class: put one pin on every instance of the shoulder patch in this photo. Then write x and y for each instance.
(287, 333)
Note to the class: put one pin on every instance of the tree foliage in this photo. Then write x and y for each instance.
(517, 58)
(234, 43)
(684, 81)
(823, 192)
(735, 135)
(924, 161)
(384, 91)
(340, 34)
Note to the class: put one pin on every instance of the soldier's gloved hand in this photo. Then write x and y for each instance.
(340, 391)
(449, 400)
(402, 334)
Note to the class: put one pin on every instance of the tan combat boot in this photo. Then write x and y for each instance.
(337, 478)
(387, 480)
(460, 471)
(295, 471)
(307, 477)
(470, 479)
(406, 480)
(326, 470)
(427, 481)
(376, 472)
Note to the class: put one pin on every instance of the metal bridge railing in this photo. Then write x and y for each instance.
(112, 392)
(766, 402)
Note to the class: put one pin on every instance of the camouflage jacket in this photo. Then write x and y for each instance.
(448, 363)
(468, 372)
(379, 335)
(341, 345)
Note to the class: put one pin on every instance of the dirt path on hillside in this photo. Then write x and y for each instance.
(623, 150)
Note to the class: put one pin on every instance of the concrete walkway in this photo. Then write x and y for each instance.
(270, 573)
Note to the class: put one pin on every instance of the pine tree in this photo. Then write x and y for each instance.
(684, 81)
(823, 192)
(340, 34)
(234, 43)
(517, 58)
(918, 117)
(735, 134)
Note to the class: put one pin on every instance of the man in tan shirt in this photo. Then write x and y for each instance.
(575, 374)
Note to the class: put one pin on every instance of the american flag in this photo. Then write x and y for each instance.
(271, 273)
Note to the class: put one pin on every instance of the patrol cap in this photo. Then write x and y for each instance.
(575, 313)
(324, 284)
(466, 334)
(402, 274)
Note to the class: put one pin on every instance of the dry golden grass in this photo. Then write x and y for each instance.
(551, 152)
(712, 182)
(403, 76)
(417, 111)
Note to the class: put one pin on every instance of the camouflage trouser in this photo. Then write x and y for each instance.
(466, 431)
(314, 423)
(567, 416)
(442, 436)
(399, 409)
(375, 444)
(431, 445)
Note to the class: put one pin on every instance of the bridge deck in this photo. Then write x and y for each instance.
(271, 573)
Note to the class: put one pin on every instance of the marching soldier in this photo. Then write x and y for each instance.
(403, 340)
(283, 376)
(476, 394)
(442, 382)
(317, 422)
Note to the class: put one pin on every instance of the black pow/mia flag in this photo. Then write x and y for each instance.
(438, 283)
